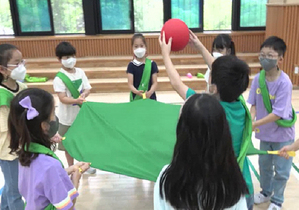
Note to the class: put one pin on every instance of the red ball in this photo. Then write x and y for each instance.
(179, 32)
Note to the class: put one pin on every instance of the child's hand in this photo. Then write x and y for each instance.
(83, 95)
(139, 92)
(166, 48)
(57, 138)
(76, 176)
(193, 40)
(82, 166)
(148, 94)
(283, 151)
(80, 100)
(253, 126)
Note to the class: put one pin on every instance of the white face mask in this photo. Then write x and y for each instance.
(217, 54)
(69, 63)
(139, 52)
(18, 73)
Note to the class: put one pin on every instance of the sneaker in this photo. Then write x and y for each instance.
(274, 207)
(260, 198)
(91, 170)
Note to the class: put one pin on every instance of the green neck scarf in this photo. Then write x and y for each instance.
(268, 105)
(144, 83)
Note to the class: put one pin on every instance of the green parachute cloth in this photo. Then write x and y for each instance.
(134, 139)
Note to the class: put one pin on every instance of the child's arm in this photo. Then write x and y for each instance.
(253, 112)
(172, 73)
(283, 100)
(293, 147)
(269, 118)
(154, 85)
(131, 85)
(68, 100)
(194, 41)
(85, 93)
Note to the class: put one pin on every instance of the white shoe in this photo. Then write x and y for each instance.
(274, 207)
(260, 198)
(91, 170)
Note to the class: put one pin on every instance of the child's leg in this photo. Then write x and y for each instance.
(282, 173)
(266, 170)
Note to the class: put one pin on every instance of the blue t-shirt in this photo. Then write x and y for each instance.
(235, 115)
(136, 68)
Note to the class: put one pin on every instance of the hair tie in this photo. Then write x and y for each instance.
(31, 111)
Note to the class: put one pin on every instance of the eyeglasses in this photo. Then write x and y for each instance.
(23, 62)
(269, 56)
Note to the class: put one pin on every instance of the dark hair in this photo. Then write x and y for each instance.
(203, 173)
(23, 131)
(65, 49)
(136, 36)
(231, 76)
(6, 51)
(276, 44)
(224, 41)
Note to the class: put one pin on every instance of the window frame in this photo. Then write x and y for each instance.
(236, 19)
(100, 29)
(17, 24)
(167, 14)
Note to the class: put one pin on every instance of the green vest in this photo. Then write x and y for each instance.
(144, 83)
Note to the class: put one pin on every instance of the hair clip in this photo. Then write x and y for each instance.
(31, 111)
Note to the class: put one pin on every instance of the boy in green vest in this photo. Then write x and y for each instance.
(229, 79)
(72, 87)
(271, 100)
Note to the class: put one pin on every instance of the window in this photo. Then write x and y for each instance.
(253, 13)
(116, 15)
(68, 16)
(144, 20)
(34, 15)
(5, 18)
(188, 11)
(217, 14)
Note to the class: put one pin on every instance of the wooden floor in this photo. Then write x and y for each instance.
(107, 191)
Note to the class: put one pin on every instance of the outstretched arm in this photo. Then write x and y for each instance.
(174, 77)
(196, 44)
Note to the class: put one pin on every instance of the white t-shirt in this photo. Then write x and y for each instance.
(67, 112)
(161, 204)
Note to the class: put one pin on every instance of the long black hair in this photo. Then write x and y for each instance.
(203, 173)
(23, 131)
(6, 51)
(224, 41)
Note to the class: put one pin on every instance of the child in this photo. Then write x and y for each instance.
(11, 69)
(272, 135)
(201, 175)
(42, 180)
(222, 45)
(229, 79)
(72, 87)
(142, 72)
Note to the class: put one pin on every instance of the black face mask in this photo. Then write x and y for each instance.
(54, 125)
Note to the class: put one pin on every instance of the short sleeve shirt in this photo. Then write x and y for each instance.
(46, 182)
(136, 68)
(67, 112)
(280, 93)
